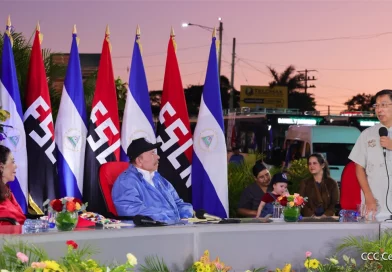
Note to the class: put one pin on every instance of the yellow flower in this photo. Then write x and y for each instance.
(314, 263)
(198, 264)
(206, 253)
(131, 259)
(291, 203)
(77, 206)
(287, 268)
(278, 270)
(52, 266)
(306, 263)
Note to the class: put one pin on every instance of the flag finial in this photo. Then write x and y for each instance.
(138, 30)
(107, 32)
(9, 21)
(38, 28)
(214, 33)
(74, 29)
(172, 32)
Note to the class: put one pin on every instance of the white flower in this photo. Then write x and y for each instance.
(334, 261)
(131, 259)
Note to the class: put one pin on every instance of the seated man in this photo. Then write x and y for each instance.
(141, 190)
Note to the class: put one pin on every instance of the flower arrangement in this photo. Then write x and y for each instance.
(28, 258)
(205, 265)
(294, 200)
(66, 204)
(65, 211)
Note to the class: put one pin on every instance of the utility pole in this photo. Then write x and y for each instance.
(220, 46)
(329, 111)
(304, 77)
(232, 78)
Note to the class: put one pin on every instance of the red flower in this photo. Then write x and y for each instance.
(70, 206)
(72, 244)
(77, 200)
(57, 205)
(283, 201)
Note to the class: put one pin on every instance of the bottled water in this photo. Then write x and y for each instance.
(35, 225)
(349, 216)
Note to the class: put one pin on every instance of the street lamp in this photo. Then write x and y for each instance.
(220, 30)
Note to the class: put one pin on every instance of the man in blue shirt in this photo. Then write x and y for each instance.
(141, 190)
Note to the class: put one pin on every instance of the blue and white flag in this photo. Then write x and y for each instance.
(16, 137)
(71, 128)
(137, 120)
(209, 161)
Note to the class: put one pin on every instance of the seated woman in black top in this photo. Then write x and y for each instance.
(251, 196)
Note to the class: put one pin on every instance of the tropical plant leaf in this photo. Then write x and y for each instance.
(154, 264)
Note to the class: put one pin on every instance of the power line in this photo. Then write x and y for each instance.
(325, 69)
(163, 52)
(359, 37)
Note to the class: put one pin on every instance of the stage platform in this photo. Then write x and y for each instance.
(243, 246)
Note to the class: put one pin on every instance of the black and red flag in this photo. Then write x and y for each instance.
(174, 129)
(38, 123)
(103, 136)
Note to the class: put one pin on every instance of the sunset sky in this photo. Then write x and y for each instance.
(348, 43)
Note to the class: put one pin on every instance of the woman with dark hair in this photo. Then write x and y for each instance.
(9, 207)
(320, 189)
(252, 195)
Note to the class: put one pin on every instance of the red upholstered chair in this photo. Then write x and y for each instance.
(350, 190)
(108, 173)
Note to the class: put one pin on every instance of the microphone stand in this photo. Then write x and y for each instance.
(386, 196)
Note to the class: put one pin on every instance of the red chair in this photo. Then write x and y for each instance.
(350, 190)
(108, 173)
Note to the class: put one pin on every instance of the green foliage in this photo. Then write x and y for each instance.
(154, 264)
(8, 253)
(239, 177)
(297, 172)
(366, 244)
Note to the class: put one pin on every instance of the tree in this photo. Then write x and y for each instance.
(286, 79)
(155, 100)
(22, 49)
(296, 100)
(361, 102)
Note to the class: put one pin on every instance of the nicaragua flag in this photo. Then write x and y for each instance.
(209, 162)
(137, 119)
(71, 128)
(16, 137)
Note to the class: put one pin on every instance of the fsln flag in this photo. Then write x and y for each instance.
(15, 133)
(137, 119)
(71, 127)
(209, 165)
(103, 136)
(174, 129)
(38, 122)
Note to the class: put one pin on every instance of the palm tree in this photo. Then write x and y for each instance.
(296, 100)
(286, 79)
(22, 49)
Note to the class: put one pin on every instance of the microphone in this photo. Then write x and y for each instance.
(383, 132)
(141, 220)
(202, 214)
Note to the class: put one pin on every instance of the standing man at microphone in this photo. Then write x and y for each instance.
(372, 155)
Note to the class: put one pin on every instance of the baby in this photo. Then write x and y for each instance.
(279, 184)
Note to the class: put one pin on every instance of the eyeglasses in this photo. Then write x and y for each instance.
(382, 105)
